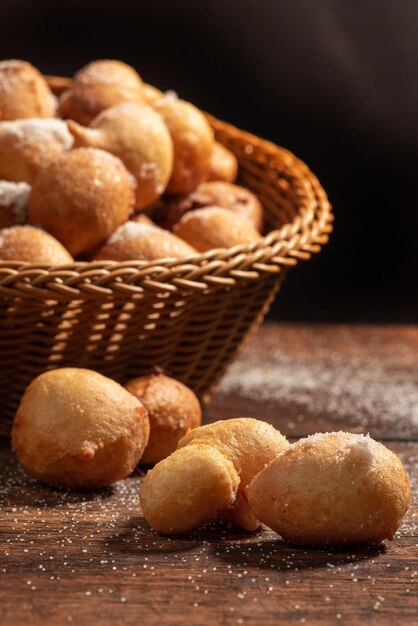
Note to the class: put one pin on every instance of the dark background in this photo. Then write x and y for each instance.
(335, 81)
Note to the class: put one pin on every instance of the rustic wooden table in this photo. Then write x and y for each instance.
(86, 559)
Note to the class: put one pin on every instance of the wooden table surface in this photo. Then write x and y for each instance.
(69, 558)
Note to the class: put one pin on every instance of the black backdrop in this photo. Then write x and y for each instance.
(335, 81)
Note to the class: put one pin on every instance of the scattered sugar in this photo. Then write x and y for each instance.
(101, 534)
(368, 385)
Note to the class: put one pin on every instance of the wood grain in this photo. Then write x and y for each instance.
(91, 559)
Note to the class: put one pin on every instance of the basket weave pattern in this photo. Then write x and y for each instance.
(187, 317)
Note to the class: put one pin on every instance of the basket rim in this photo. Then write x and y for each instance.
(293, 241)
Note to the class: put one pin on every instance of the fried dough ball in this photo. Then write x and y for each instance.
(250, 444)
(332, 489)
(24, 92)
(169, 211)
(223, 164)
(139, 137)
(98, 86)
(215, 227)
(81, 198)
(192, 140)
(13, 203)
(28, 145)
(173, 409)
(135, 241)
(151, 93)
(76, 428)
(32, 245)
(188, 489)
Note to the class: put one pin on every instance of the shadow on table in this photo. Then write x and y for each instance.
(20, 490)
(278, 555)
(137, 537)
(236, 546)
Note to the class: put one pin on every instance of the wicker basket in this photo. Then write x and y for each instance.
(187, 317)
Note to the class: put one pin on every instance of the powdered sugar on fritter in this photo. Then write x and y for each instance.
(14, 198)
(37, 131)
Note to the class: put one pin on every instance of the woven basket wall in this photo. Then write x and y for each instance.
(187, 317)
